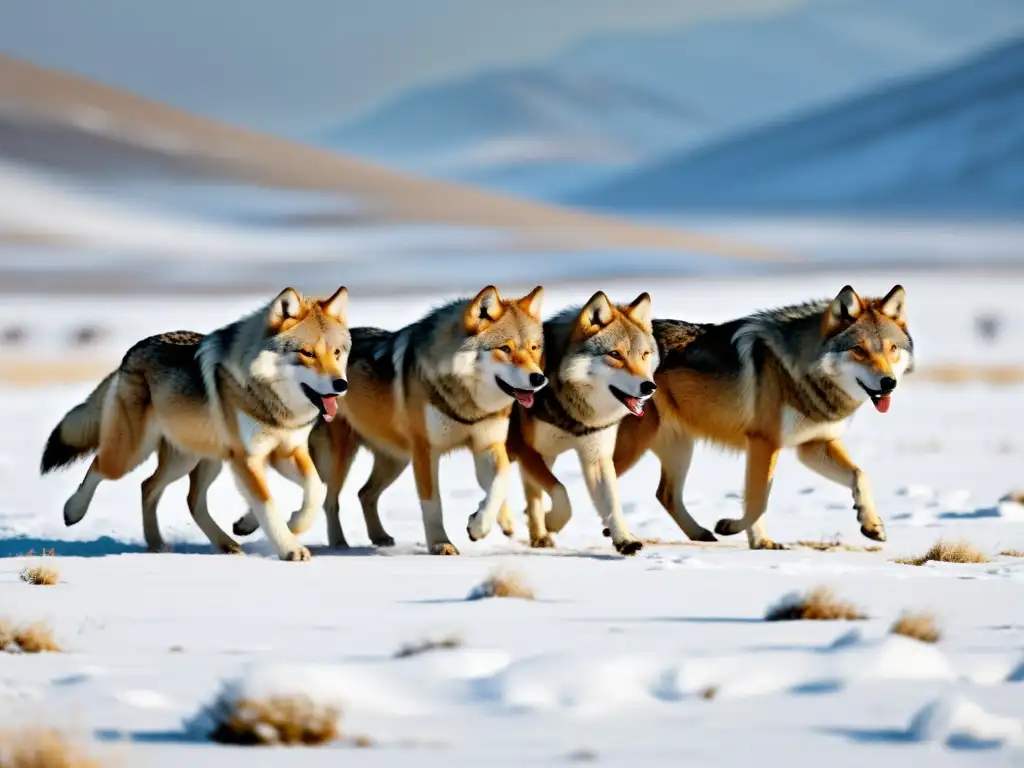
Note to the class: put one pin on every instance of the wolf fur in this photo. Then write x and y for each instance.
(247, 394)
(600, 361)
(784, 378)
(447, 381)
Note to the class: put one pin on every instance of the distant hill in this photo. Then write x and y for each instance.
(947, 142)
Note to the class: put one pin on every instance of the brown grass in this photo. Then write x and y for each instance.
(919, 626)
(30, 638)
(836, 546)
(818, 605)
(363, 742)
(1016, 496)
(948, 552)
(1012, 553)
(448, 643)
(960, 374)
(709, 693)
(502, 584)
(280, 720)
(41, 576)
(42, 748)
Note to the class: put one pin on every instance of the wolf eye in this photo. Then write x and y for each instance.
(857, 353)
(307, 353)
(615, 354)
(505, 348)
(534, 347)
(337, 354)
(646, 354)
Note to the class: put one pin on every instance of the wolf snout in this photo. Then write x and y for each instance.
(887, 383)
(538, 380)
(340, 386)
(647, 388)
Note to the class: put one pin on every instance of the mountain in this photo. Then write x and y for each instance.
(627, 98)
(951, 142)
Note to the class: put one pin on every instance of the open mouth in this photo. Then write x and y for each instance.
(881, 399)
(634, 405)
(523, 396)
(326, 404)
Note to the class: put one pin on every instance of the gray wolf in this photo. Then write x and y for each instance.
(784, 378)
(445, 382)
(600, 361)
(247, 394)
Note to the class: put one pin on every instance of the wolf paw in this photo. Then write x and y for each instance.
(768, 544)
(245, 526)
(340, 543)
(702, 534)
(629, 546)
(477, 527)
(158, 547)
(728, 527)
(443, 548)
(382, 540)
(546, 541)
(874, 531)
(607, 533)
(234, 548)
(298, 555)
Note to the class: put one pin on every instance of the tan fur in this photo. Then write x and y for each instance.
(783, 392)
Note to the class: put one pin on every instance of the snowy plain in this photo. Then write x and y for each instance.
(610, 663)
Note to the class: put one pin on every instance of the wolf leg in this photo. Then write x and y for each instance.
(506, 520)
(603, 485)
(334, 448)
(536, 520)
(425, 462)
(830, 460)
(492, 470)
(127, 432)
(250, 475)
(386, 470)
(675, 465)
(171, 465)
(78, 503)
(762, 456)
(299, 468)
(199, 482)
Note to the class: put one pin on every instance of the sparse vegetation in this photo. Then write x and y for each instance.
(837, 546)
(279, 720)
(818, 605)
(447, 643)
(948, 552)
(42, 748)
(919, 626)
(502, 584)
(29, 638)
(41, 576)
(1012, 553)
(363, 741)
(708, 693)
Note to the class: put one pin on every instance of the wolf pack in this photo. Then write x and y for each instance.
(291, 387)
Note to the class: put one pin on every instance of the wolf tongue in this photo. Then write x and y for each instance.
(330, 403)
(882, 404)
(635, 405)
(525, 398)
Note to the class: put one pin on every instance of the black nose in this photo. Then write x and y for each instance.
(538, 379)
(647, 388)
(340, 385)
(888, 383)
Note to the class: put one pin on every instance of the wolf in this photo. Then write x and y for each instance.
(783, 378)
(445, 382)
(600, 361)
(247, 394)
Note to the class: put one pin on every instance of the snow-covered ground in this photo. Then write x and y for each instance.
(612, 660)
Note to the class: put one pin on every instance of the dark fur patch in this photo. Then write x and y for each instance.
(374, 349)
(704, 347)
(59, 454)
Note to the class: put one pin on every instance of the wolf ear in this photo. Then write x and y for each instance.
(483, 310)
(596, 314)
(894, 305)
(337, 305)
(287, 305)
(530, 304)
(844, 309)
(640, 310)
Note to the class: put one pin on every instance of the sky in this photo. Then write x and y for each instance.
(283, 65)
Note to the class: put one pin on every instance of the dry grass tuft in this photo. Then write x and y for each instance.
(363, 742)
(709, 693)
(42, 748)
(948, 552)
(818, 605)
(837, 546)
(1012, 553)
(281, 720)
(41, 576)
(502, 584)
(1016, 496)
(919, 626)
(31, 638)
(449, 643)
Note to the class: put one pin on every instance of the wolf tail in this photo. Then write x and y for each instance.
(78, 433)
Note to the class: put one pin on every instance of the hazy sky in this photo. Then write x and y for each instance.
(281, 64)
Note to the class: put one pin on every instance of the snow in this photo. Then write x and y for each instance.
(654, 660)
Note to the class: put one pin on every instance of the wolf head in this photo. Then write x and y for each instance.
(503, 346)
(304, 354)
(612, 355)
(867, 345)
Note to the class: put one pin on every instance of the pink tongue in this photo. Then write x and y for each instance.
(330, 406)
(525, 398)
(635, 406)
(882, 404)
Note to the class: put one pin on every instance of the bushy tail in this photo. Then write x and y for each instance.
(78, 433)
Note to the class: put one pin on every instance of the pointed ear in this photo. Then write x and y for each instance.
(844, 309)
(530, 304)
(894, 305)
(337, 305)
(287, 305)
(483, 310)
(596, 314)
(640, 310)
